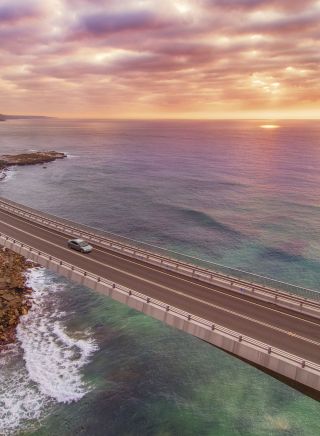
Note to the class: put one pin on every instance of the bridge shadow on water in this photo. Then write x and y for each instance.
(312, 393)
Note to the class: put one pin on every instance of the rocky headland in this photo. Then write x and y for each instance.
(38, 157)
(4, 117)
(15, 298)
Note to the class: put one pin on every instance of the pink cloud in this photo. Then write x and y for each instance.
(220, 53)
(14, 11)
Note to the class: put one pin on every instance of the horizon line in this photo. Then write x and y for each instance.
(160, 118)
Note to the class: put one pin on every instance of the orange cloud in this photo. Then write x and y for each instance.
(177, 58)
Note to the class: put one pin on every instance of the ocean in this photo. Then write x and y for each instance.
(230, 192)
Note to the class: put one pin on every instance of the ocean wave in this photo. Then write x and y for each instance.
(204, 219)
(281, 254)
(296, 205)
(7, 174)
(44, 367)
(20, 400)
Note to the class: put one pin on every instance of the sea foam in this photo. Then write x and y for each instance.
(8, 174)
(20, 400)
(44, 367)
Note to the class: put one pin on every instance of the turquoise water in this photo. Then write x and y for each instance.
(228, 192)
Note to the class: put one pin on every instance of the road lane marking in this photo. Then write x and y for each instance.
(109, 252)
(56, 234)
(170, 289)
(127, 259)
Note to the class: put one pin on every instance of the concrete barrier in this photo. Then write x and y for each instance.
(278, 361)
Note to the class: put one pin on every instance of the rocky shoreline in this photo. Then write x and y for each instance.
(35, 158)
(15, 298)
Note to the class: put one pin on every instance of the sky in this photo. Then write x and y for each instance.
(160, 58)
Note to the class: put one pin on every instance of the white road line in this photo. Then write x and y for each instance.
(38, 214)
(106, 252)
(173, 291)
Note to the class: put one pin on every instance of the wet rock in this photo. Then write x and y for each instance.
(39, 157)
(15, 299)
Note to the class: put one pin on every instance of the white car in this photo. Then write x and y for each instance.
(79, 245)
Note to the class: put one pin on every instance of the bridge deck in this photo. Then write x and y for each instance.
(279, 327)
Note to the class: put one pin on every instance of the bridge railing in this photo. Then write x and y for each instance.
(240, 281)
(189, 317)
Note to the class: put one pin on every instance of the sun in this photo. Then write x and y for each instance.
(182, 8)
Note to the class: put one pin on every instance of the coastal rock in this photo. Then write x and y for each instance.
(38, 157)
(15, 298)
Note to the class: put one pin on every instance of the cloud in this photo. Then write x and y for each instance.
(105, 23)
(13, 11)
(250, 5)
(169, 57)
(304, 22)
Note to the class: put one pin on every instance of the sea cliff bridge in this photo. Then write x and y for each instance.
(272, 325)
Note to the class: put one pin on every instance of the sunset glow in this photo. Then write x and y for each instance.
(269, 126)
(169, 59)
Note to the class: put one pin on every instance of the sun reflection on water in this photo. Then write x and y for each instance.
(269, 126)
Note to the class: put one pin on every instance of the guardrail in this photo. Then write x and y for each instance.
(189, 317)
(297, 296)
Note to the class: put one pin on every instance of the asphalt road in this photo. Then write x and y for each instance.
(277, 327)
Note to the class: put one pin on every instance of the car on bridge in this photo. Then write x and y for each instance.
(79, 245)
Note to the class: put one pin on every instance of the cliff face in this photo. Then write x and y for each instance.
(2, 117)
(14, 295)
